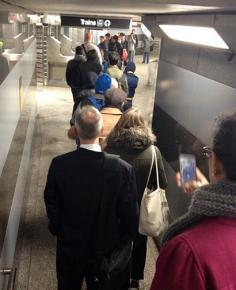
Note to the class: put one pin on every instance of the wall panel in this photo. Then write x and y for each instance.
(193, 100)
(10, 99)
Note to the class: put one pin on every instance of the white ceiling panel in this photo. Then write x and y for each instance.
(123, 7)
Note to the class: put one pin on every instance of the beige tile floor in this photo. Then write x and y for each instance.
(35, 254)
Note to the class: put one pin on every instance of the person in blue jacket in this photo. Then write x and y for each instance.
(132, 80)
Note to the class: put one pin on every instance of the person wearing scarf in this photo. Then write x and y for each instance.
(199, 249)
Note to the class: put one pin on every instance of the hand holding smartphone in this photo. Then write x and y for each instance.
(187, 168)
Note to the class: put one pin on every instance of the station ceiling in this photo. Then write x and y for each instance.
(129, 8)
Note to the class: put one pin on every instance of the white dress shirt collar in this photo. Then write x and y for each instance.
(92, 147)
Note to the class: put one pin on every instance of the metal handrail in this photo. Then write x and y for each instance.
(11, 272)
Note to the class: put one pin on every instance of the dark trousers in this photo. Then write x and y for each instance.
(71, 278)
(139, 257)
(117, 281)
(146, 57)
(71, 273)
(75, 92)
(76, 104)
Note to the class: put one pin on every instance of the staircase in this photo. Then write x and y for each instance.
(42, 32)
(156, 47)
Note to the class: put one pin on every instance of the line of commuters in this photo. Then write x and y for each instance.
(106, 57)
(104, 94)
(198, 250)
(89, 80)
(79, 188)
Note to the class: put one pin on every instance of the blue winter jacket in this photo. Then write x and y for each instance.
(132, 80)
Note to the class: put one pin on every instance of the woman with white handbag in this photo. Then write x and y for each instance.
(133, 141)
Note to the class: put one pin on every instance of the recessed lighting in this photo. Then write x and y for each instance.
(207, 36)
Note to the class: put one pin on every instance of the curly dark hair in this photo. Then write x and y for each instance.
(224, 144)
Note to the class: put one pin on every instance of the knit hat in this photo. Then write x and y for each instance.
(130, 67)
(103, 83)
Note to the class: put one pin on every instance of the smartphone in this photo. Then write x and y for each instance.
(187, 167)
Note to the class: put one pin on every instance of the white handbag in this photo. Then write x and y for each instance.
(154, 210)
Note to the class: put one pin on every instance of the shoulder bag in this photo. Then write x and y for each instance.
(154, 210)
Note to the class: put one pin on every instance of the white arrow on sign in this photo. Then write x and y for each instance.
(107, 23)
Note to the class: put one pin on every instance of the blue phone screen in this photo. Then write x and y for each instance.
(187, 168)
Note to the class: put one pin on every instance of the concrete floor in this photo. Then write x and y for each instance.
(35, 253)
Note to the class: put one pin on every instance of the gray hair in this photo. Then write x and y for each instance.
(88, 122)
(115, 97)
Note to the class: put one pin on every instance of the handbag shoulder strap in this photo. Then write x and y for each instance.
(151, 165)
(85, 51)
(156, 165)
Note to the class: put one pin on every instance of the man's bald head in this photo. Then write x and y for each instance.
(88, 123)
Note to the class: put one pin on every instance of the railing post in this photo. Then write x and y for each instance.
(11, 272)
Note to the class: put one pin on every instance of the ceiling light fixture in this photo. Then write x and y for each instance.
(206, 36)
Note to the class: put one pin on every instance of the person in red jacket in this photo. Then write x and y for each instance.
(199, 251)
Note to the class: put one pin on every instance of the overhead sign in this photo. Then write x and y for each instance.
(97, 23)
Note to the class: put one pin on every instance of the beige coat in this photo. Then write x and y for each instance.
(110, 117)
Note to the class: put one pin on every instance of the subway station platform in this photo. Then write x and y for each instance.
(36, 248)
